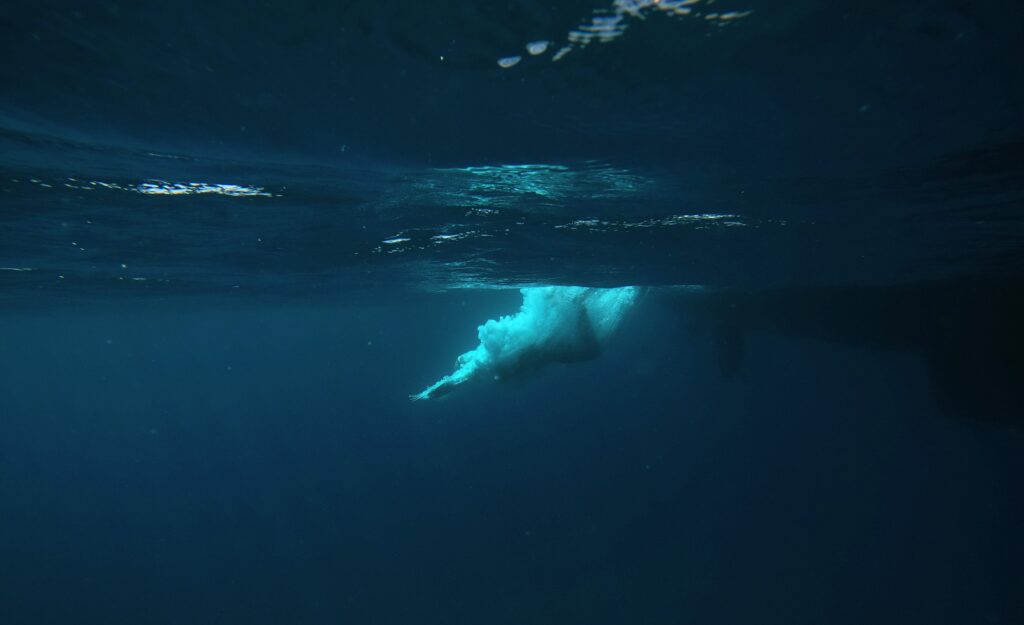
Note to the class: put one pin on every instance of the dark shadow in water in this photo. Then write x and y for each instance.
(970, 335)
(972, 341)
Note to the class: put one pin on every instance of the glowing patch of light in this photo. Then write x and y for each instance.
(159, 187)
(507, 185)
(699, 221)
(608, 24)
(458, 236)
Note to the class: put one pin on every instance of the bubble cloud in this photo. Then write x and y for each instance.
(554, 324)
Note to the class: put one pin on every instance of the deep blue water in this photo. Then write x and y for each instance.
(235, 237)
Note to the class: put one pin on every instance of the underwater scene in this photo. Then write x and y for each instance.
(639, 312)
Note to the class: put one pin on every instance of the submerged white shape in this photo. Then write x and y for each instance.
(554, 324)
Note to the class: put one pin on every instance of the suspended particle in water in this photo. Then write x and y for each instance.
(506, 62)
(537, 47)
(561, 53)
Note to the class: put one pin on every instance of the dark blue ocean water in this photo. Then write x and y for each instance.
(235, 237)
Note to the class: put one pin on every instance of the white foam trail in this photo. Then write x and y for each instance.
(554, 324)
